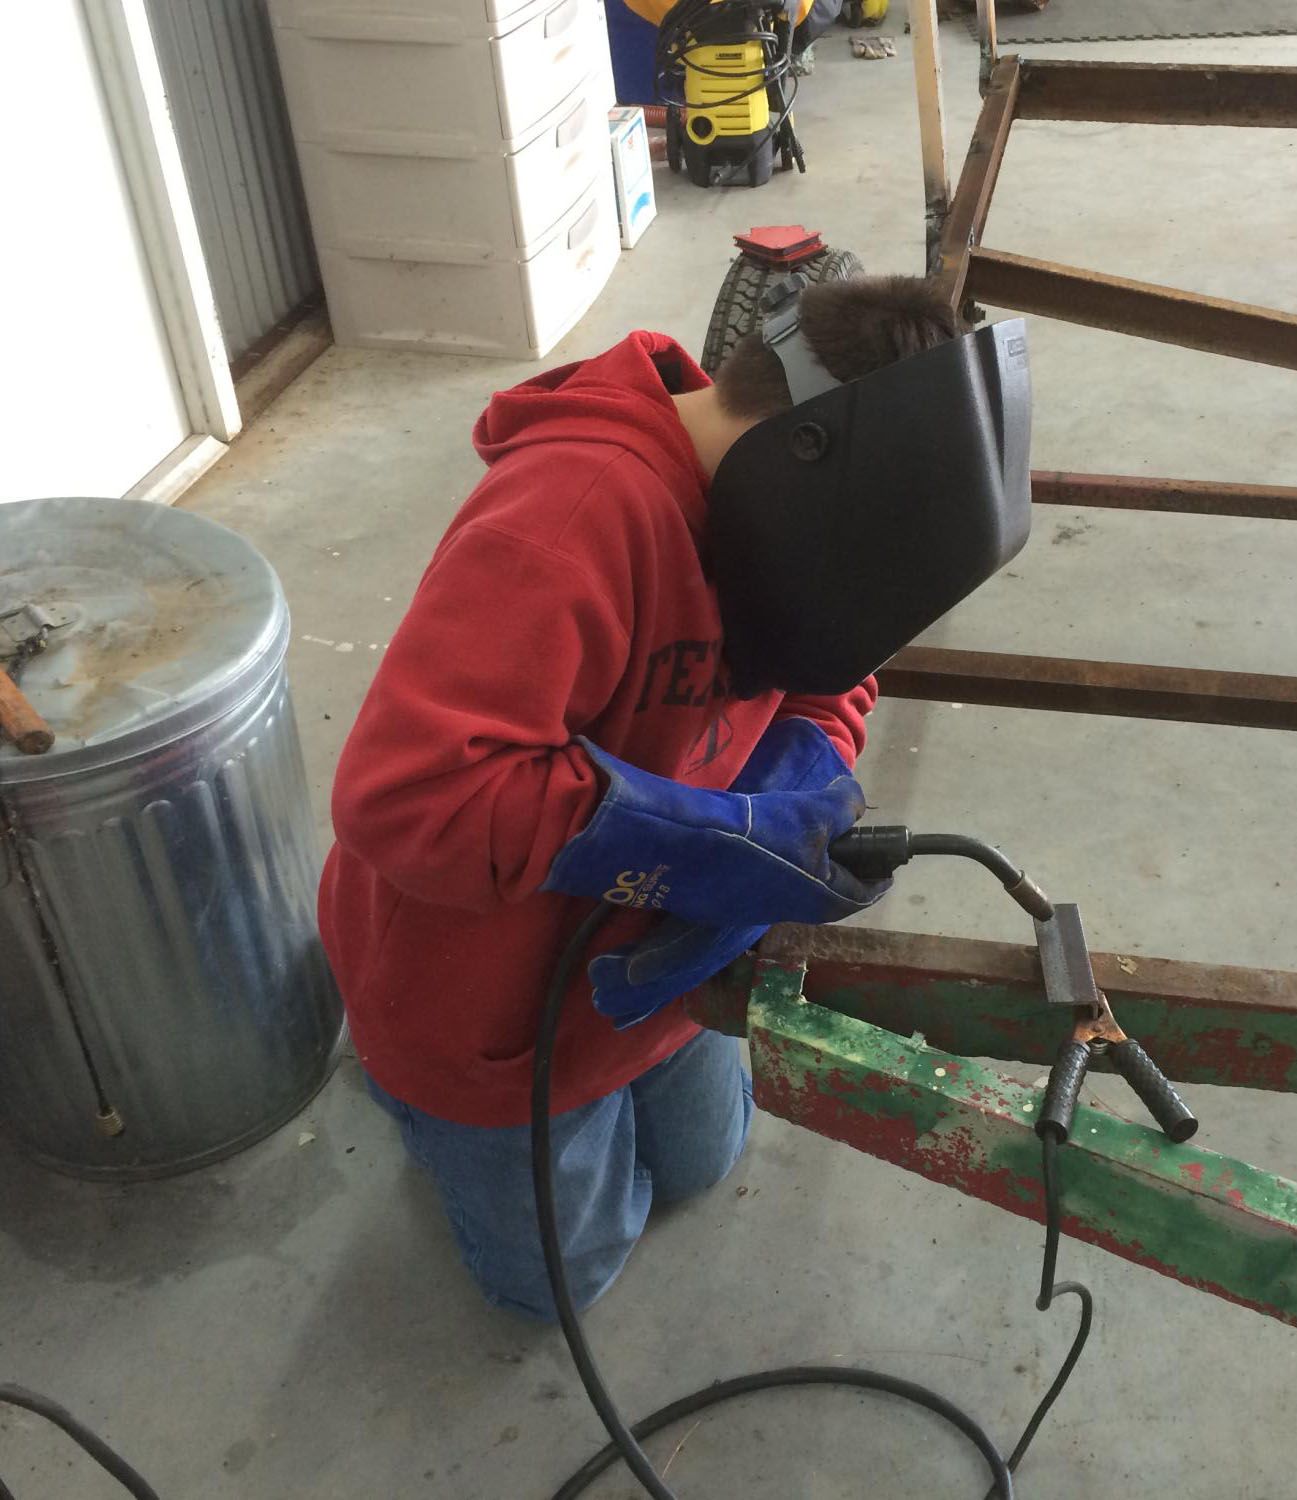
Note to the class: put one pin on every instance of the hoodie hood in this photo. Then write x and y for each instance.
(620, 398)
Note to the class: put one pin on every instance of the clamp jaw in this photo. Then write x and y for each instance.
(1069, 981)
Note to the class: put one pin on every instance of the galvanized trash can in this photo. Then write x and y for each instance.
(164, 999)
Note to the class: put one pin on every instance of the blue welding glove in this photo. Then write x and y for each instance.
(633, 982)
(793, 755)
(730, 859)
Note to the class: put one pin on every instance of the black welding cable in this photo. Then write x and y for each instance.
(626, 1440)
(542, 1172)
(103, 1455)
(1049, 1289)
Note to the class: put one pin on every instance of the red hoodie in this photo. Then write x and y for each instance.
(567, 598)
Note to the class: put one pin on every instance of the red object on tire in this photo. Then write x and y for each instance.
(781, 244)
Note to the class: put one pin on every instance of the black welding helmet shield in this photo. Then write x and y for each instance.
(840, 529)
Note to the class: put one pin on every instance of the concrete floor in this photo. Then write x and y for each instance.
(294, 1323)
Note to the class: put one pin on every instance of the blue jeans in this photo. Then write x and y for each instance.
(666, 1136)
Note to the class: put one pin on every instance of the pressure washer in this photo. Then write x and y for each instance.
(725, 72)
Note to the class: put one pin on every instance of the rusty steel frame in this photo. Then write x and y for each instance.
(932, 120)
(1134, 93)
(878, 1039)
(1023, 88)
(1138, 308)
(1197, 497)
(1065, 684)
(875, 1039)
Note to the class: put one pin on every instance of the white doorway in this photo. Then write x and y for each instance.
(106, 335)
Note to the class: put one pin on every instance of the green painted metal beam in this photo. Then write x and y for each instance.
(1211, 1222)
(1203, 1023)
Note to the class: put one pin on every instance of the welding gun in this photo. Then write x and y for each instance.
(875, 853)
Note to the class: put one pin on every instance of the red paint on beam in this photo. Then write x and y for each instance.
(1268, 1065)
(954, 1158)
(1174, 1005)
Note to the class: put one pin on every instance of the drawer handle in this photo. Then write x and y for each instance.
(561, 17)
(581, 231)
(572, 126)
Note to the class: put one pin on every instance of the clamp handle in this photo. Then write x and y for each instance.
(1063, 1092)
(1154, 1089)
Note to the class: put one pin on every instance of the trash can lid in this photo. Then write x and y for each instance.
(154, 623)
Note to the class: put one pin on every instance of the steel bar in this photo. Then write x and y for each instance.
(1158, 93)
(932, 122)
(1273, 502)
(1193, 695)
(1066, 967)
(1204, 1023)
(1209, 1221)
(972, 200)
(987, 43)
(1138, 308)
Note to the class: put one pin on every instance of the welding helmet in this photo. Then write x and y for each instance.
(842, 528)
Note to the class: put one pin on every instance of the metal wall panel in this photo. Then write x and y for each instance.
(222, 79)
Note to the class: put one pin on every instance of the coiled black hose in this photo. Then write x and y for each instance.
(626, 1440)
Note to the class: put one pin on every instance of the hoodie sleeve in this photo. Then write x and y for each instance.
(841, 718)
(460, 782)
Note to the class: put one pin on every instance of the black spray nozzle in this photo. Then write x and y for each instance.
(876, 852)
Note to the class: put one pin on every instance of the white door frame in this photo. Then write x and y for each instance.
(137, 103)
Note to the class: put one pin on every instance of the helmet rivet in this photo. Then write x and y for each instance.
(809, 442)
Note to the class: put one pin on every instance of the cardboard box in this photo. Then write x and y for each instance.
(632, 172)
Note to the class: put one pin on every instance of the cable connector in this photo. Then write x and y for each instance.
(872, 853)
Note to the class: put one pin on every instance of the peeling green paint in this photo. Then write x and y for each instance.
(1193, 1041)
(1208, 1220)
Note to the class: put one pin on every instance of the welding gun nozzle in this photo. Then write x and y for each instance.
(1031, 898)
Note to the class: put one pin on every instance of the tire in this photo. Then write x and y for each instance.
(738, 303)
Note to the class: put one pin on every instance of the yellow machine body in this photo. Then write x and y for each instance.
(713, 110)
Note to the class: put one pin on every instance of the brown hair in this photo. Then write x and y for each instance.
(853, 326)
